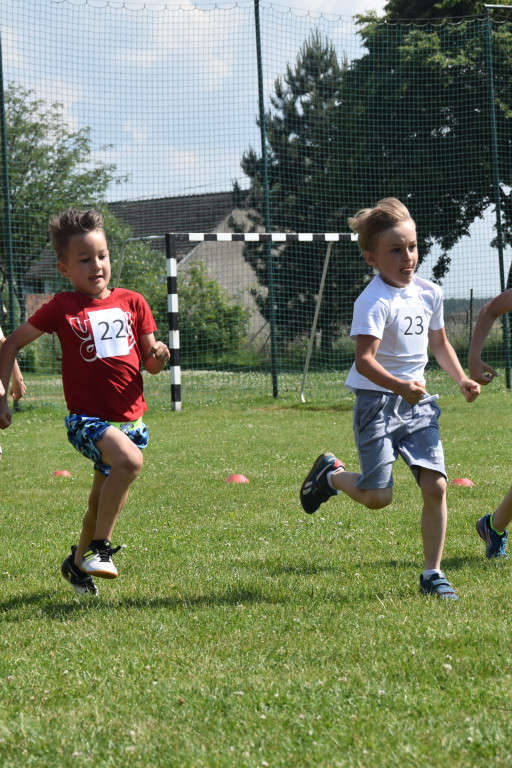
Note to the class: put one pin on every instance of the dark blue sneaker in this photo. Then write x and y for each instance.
(438, 586)
(82, 583)
(495, 544)
(315, 488)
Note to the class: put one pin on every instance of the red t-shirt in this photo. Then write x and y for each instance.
(100, 354)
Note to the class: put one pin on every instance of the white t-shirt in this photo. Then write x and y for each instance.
(401, 318)
(1, 333)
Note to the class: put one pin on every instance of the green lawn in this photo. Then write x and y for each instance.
(241, 631)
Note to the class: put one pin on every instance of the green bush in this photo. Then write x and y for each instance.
(211, 324)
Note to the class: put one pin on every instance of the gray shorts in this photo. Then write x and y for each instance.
(385, 426)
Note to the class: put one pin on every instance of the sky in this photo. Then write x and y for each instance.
(346, 8)
(152, 83)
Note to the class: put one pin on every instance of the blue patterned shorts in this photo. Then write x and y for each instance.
(84, 432)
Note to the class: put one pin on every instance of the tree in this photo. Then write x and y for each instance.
(426, 9)
(304, 168)
(49, 169)
(418, 108)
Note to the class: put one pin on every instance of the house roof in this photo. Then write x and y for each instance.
(157, 216)
(194, 213)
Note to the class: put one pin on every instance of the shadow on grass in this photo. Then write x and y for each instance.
(30, 606)
(449, 563)
(302, 569)
(14, 609)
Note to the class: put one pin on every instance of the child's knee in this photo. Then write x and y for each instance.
(378, 498)
(130, 462)
(433, 485)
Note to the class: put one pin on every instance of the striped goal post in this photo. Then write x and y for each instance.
(171, 238)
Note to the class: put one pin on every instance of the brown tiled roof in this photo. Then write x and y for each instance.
(194, 213)
(157, 216)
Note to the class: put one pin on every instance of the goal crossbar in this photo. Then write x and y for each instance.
(171, 238)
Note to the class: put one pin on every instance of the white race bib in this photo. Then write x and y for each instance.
(110, 332)
(412, 337)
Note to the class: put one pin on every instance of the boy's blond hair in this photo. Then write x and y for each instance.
(63, 226)
(368, 223)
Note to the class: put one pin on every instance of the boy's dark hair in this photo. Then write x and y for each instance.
(63, 226)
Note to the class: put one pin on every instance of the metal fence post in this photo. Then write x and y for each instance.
(266, 203)
(496, 183)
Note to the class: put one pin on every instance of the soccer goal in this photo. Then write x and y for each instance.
(171, 240)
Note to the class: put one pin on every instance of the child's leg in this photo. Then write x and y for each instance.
(434, 515)
(503, 515)
(89, 519)
(376, 498)
(125, 459)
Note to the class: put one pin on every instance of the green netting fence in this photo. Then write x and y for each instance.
(253, 118)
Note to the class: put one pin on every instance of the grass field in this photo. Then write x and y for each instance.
(242, 632)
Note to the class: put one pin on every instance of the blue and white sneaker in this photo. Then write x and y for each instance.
(98, 561)
(315, 488)
(437, 585)
(495, 544)
(82, 583)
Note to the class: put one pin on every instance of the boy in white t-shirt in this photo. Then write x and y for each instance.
(396, 318)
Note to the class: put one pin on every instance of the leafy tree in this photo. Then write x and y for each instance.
(49, 169)
(417, 109)
(426, 9)
(410, 118)
(304, 168)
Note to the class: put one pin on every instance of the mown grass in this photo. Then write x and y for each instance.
(242, 632)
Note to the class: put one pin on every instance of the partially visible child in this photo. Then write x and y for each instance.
(18, 387)
(492, 528)
(105, 334)
(396, 318)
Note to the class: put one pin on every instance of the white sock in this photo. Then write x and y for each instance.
(428, 573)
(328, 477)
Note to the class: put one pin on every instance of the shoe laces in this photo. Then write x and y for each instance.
(106, 553)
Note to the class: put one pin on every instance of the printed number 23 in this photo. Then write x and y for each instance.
(120, 331)
(414, 326)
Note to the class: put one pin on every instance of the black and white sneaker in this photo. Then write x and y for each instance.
(315, 488)
(98, 561)
(82, 583)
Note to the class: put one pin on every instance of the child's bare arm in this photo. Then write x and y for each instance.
(500, 305)
(18, 387)
(154, 353)
(449, 362)
(22, 336)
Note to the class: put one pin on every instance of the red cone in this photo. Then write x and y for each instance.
(236, 479)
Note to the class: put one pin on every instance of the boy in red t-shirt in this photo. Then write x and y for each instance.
(104, 334)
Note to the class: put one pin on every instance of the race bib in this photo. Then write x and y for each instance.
(412, 332)
(110, 332)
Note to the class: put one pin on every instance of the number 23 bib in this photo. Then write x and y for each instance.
(412, 327)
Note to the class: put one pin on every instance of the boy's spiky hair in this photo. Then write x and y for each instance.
(63, 226)
(368, 223)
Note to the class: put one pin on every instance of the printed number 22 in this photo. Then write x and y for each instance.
(120, 331)
(418, 326)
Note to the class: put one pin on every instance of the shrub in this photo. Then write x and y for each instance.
(211, 324)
